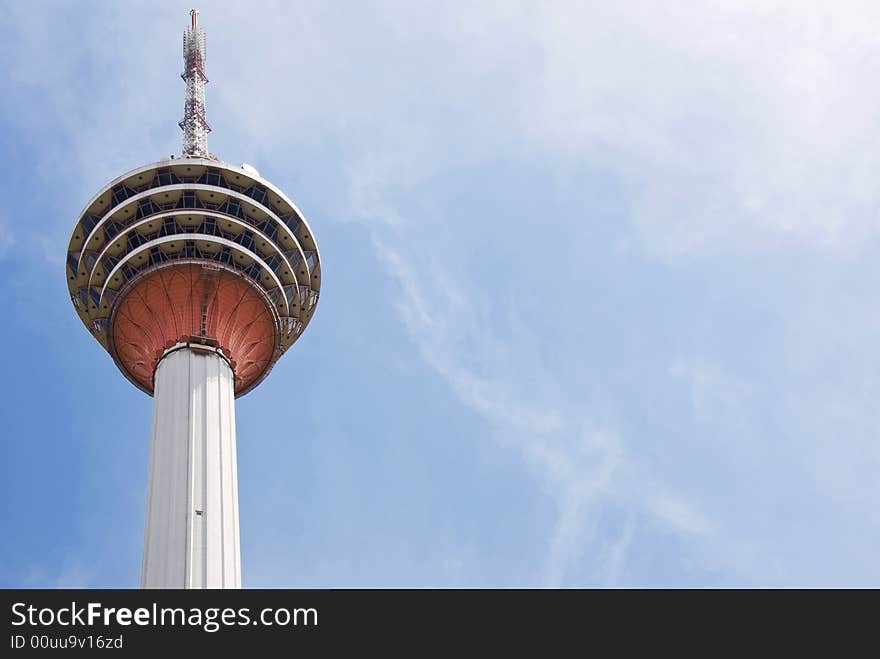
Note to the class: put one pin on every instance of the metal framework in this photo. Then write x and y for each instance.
(194, 123)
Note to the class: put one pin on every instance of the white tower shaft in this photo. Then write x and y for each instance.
(192, 537)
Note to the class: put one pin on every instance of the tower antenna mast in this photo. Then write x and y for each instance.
(194, 124)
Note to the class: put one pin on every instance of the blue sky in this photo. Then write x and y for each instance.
(599, 301)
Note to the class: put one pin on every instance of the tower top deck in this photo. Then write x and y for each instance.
(193, 250)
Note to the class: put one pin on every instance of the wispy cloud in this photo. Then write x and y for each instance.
(584, 467)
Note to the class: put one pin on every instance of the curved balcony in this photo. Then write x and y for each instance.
(196, 216)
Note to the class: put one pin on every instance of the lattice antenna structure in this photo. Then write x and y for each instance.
(194, 123)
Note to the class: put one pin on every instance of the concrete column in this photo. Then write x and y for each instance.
(191, 538)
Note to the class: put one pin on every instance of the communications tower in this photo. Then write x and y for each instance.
(196, 276)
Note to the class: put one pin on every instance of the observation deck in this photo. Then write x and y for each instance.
(193, 251)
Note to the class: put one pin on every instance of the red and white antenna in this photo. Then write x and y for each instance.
(194, 124)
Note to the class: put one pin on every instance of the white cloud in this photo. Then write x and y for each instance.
(743, 124)
(583, 467)
(739, 126)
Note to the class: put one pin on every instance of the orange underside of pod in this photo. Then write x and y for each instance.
(174, 304)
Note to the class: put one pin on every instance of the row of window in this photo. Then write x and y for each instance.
(210, 226)
(246, 238)
(189, 200)
(190, 250)
(211, 176)
(91, 296)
